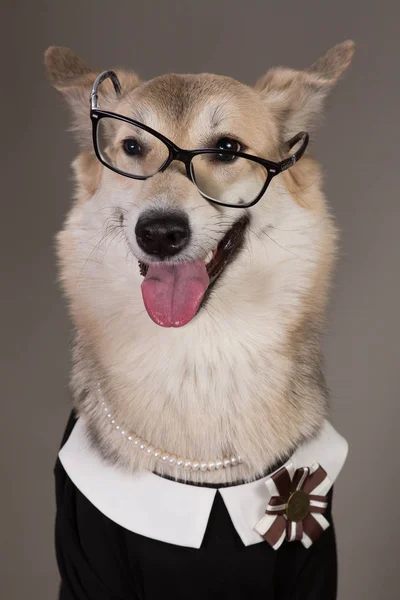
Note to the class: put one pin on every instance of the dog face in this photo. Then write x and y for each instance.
(202, 322)
(158, 244)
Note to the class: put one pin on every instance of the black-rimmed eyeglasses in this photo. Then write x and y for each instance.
(223, 175)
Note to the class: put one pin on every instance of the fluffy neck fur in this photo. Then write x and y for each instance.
(244, 377)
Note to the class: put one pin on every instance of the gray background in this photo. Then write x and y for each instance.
(357, 145)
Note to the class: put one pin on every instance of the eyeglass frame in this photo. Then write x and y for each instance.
(186, 156)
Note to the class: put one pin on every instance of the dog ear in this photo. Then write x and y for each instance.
(296, 97)
(71, 76)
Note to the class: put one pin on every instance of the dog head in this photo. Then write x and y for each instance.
(159, 243)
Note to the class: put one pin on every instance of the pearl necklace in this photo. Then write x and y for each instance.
(166, 457)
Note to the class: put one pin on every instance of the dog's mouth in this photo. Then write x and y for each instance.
(173, 293)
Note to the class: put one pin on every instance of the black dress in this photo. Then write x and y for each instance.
(100, 560)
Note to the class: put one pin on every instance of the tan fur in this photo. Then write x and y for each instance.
(74, 79)
(296, 98)
(87, 170)
(245, 376)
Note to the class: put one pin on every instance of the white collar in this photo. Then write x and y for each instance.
(177, 513)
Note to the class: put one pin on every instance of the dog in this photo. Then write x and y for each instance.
(198, 300)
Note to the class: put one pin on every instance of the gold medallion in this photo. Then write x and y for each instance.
(298, 506)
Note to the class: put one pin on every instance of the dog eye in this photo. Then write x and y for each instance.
(131, 147)
(227, 144)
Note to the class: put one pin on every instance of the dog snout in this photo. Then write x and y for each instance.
(162, 235)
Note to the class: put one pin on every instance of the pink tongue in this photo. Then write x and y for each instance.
(172, 293)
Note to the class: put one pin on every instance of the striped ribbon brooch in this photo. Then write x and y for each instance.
(298, 501)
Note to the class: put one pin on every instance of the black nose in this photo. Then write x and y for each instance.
(162, 235)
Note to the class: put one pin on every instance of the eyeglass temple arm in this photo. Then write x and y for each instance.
(94, 97)
(289, 162)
